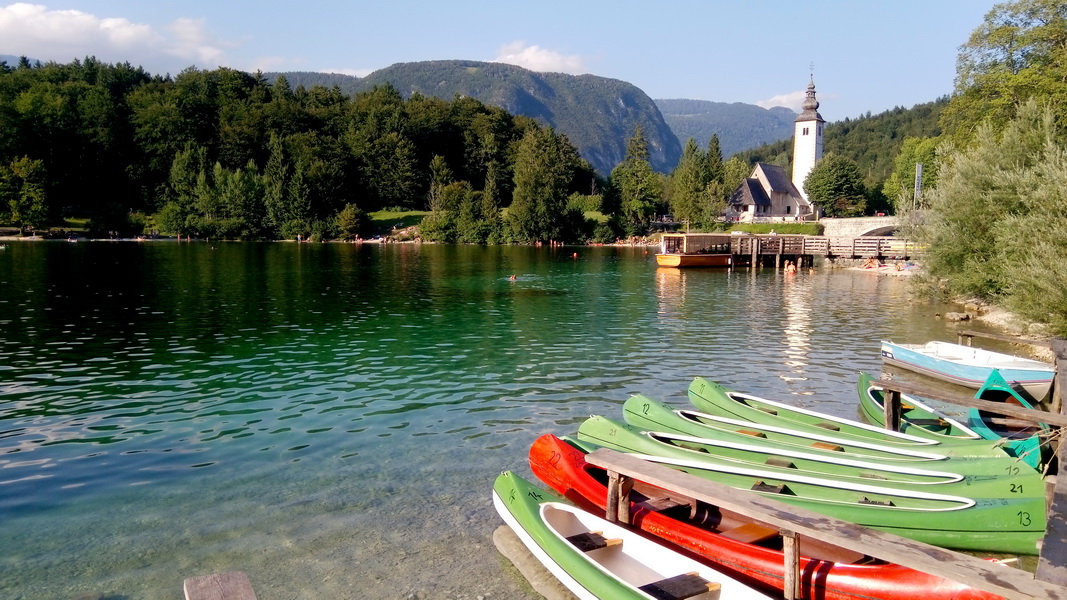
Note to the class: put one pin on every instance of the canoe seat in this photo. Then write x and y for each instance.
(928, 422)
(781, 488)
(827, 446)
(866, 500)
(767, 410)
(750, 533)
(758, 434)
(666, 503)
(779, 461)
(678, 587)
(830, 426)
(592, 540)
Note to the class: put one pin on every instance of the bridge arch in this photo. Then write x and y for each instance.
(859, 226)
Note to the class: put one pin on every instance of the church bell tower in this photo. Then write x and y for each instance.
(807, 139)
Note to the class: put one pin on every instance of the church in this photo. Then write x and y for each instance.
(769, 194)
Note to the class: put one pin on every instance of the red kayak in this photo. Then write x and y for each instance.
(730, 539)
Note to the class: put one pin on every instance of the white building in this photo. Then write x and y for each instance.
(768, 194)
(807, 139)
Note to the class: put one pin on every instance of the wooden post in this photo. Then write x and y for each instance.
(791, 552)
(618, 509)
(891, 409)
(1059, 383)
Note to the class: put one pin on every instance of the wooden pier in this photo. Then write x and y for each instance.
(752, 250)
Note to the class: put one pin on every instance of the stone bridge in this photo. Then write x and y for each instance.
(859, 226)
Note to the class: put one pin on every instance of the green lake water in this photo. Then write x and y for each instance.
(330, 418)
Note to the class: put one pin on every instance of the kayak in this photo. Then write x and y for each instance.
(920, 419)
(736, 542)
(979, 476)
(599, 560)
(1005, 524)
(717, 399)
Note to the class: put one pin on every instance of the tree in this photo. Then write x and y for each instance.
(900, 187)
(835, 184)
(637, 185)
(1018, 52)
(967, 223)
(688, 186)
(352, 222)
(543, 165)
(22, 187)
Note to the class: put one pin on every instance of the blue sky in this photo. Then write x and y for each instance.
(868, 55)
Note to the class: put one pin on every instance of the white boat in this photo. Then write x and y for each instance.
(969, 366)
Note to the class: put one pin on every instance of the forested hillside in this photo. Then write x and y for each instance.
(596, 114)
(871, 141)
(225, 153)
(739, 126)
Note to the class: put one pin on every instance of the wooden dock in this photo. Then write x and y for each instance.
(752, 249)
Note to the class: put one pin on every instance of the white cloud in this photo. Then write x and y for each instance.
(540, 59)
(38, 32)
(792, 100)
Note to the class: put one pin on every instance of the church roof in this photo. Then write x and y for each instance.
(777, 179)
(810, 106)
(749, 192)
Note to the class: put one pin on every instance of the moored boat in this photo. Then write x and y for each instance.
(969, 366)
(717, 399)
(599, 560)
(694, 250)
(1024, 439)
(952, 521)
(918, 418)
(736, 542)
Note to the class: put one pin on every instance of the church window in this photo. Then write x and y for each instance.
(805, 131)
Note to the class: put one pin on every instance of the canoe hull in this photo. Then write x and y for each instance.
(694, 260)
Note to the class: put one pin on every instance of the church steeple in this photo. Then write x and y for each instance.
(807, 139)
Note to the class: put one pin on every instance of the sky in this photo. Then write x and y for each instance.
(863, 55)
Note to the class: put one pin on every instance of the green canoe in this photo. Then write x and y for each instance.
(1011, 525)
(980, 476)
(973, 478)
(918, 418)
(717, 399)
(596, 559)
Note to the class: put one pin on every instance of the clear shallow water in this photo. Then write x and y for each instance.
(329, 418)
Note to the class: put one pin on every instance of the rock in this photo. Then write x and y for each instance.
(957, 316)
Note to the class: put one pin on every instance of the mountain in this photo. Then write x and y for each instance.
(739, 126)
(597, 114)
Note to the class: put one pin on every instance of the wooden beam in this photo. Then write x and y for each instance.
(891, 410)
(1059, 383)
(1052, 564)
(233, 585)
(1000, 408)
(975, 572)
(967, 333)
(791, 551)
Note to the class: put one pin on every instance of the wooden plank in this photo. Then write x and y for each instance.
(891, 409)
(1001, 408)
(1052, 564)
(233, 585)
(969, 570)
(968, 333)
(791, 552)
(1059, 383)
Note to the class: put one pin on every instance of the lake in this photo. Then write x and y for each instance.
(329, 418)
